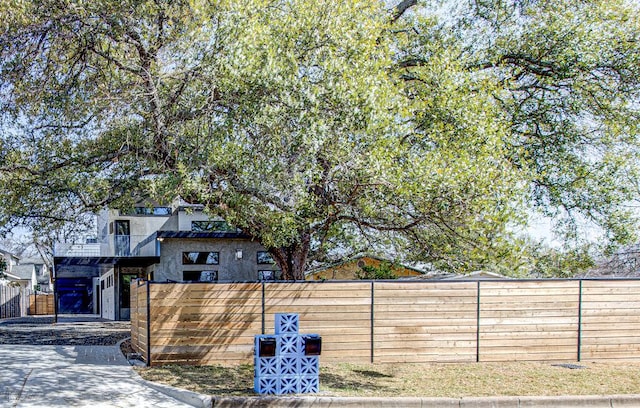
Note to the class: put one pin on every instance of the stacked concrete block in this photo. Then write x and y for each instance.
(285, 369)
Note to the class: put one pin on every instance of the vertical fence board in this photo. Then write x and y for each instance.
(139, 333)
(41, 304)
(14, 301)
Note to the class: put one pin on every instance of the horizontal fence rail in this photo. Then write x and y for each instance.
(392, 321)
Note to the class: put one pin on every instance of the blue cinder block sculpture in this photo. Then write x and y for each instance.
(282, 361)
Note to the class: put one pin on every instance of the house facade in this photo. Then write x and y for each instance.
(28, 273)
(177, 243)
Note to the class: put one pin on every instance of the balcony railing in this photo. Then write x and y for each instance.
(115, 245)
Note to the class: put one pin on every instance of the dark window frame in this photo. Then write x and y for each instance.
(156, 211)
(264, 258)
(262, 278)
(211, 226)
(193, 274)
(201, 259)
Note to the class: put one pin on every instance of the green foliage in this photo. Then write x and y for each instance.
(554, 263)
(324, 127)
(383, 271)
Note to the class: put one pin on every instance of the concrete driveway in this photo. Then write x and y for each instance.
(73, 376)
(68, 375)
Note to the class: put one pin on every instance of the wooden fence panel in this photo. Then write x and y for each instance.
(14, 301)
(139, 318)
(552, 320)
(204, 323)
(610, 320)
(529, 320)
(338, 311)
(425, 322)
(41, 304)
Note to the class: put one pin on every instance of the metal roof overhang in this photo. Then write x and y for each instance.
(75, 267)
(202, 235)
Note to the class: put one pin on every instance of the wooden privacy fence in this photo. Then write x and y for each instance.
(41, 304)
(387, 322)
(14, 301)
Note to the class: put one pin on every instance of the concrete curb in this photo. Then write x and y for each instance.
(593, 401)
(188, 397)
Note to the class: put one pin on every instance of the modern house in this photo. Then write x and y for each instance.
(178, 243)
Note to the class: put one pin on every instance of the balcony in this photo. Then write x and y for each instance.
(115, 246)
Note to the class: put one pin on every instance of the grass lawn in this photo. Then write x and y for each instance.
(422, 380)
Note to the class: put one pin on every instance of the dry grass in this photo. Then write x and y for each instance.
(424, 380)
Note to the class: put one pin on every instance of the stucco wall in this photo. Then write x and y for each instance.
(229, 268)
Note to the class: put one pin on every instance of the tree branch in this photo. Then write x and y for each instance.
(399, 10)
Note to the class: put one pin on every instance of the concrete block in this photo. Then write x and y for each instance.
(286, 323)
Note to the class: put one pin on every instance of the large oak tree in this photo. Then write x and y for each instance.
(425, 131)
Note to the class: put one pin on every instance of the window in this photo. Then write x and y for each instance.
(211, 226)
(265, 258)
(200, 276)
(267, 275)
(200, 258)
(160, 211)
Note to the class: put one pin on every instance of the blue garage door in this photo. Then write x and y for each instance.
(75, 295)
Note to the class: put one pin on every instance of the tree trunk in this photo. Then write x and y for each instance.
(293, 258)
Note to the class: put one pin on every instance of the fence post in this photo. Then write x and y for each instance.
(478, 322)
(579, 319)
(263, 308)
(148, 324)
(372, 321)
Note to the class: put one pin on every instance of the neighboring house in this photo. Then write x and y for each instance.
(11, 259)
(31, 273)
(478, 275)
(348, 269)
(448, 276)
(24, 276)
(42, 280)
(10, 277)
(160, 243)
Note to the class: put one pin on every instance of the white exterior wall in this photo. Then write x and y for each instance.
(141, 227)
(184, 219)
(229, 268)
(108, 295)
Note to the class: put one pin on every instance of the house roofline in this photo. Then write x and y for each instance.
(201, 235)
(106, 260)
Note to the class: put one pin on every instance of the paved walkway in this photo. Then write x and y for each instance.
(73, 376)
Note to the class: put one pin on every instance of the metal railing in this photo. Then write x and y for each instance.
(114, 245)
